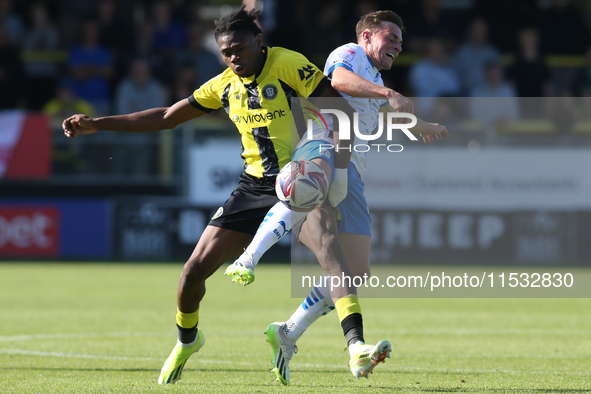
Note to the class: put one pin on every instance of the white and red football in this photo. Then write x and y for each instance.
(302, 185)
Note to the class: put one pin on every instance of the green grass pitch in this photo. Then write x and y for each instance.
(107, 328)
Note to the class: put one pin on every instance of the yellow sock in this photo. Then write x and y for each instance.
(351, 320)
(347, 305)
(187, 320)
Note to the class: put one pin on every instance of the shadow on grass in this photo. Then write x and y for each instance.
(210, 370)
(317, 385)
(493, 390)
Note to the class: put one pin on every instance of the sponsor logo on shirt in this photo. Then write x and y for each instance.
(254, 118)
(306, 72)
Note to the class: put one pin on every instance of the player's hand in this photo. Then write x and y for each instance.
(401, 103)
(338, 188)
(78, 125)
(436, 130)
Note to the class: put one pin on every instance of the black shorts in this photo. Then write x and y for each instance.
(247, 206)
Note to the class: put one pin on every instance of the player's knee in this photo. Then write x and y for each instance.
(194, 272)
(328, 241)
(327, 248)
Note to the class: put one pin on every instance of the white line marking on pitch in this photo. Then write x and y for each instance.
(96, 356)
(73, 335)
(72, 355)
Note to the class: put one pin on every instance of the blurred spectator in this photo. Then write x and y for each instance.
(472, 56)
(325, 33)
(167, 37)
(41, 67)
(10, 71)
(432, 77)
(506, 18)
(504, 107)
(143, 49)
(563, 30)
(205, 63)
(65, 104)
(184, 82)
(71, 16)
(76, 8)
(426, 24)
(529, 74)
(143, 40)
(184, 10)
(139, 91)
(66, 151)
(115, 33)
(584, 82)
(91, 67)
(278, 29)
(495, 84)
(12, 22)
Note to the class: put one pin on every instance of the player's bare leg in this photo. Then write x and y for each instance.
(364, 358)
(216, 246)
(319, 233)
(357, 248)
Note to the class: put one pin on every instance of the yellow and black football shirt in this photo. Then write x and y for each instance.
(260, 106)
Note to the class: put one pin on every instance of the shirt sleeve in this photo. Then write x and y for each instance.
(345, 56)
(301, 75)
(208, 97)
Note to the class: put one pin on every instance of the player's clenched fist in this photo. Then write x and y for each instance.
(78, 125)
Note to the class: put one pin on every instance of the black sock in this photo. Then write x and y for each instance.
(187, 335)
(353, 328)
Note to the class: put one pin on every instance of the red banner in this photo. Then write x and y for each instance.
(25, 145)
(29, 231)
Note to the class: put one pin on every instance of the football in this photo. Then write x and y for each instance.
(302, 185)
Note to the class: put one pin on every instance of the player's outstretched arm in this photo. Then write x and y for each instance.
(348, 82)
(424, 129)
(352, 84)
(149, 120)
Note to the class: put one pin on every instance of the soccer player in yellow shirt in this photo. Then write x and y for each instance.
(255, 91)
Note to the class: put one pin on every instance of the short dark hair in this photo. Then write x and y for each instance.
(374, 19)
(237, 20)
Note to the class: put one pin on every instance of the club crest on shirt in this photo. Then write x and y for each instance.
(218, 213)
(270, 91)
(349, 54)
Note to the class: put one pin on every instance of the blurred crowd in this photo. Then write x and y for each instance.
(107, 56)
